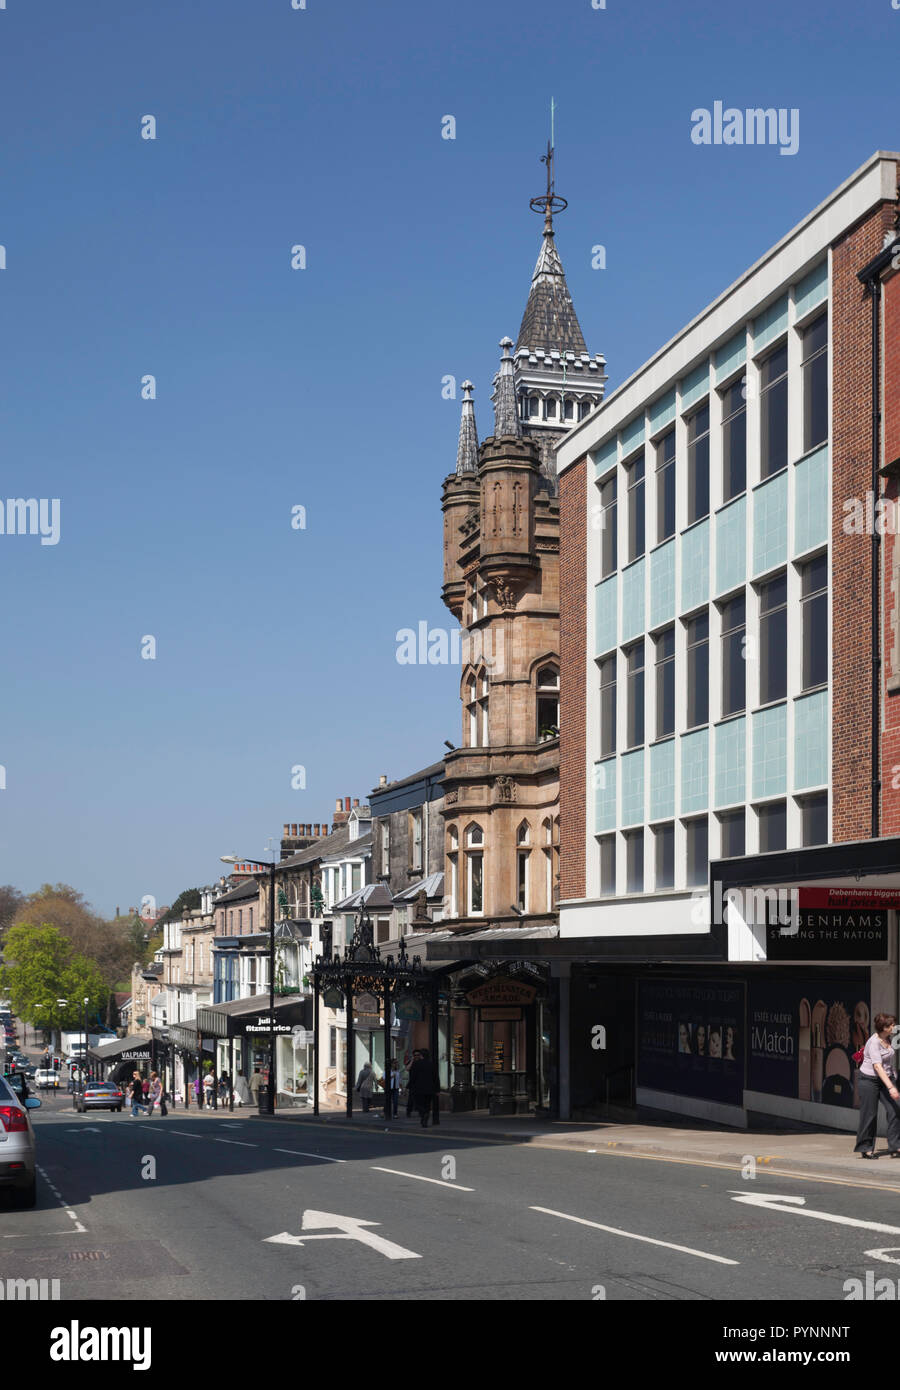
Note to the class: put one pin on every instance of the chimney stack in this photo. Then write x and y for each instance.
(355, 801)
(287, 832)
(346, 805)
(382, 781)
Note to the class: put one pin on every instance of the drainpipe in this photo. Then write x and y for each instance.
(875, 291)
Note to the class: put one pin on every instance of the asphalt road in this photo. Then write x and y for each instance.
(186, 1208)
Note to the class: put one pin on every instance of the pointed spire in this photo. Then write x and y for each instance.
(550, 322)
(467, 450)
(506, 416)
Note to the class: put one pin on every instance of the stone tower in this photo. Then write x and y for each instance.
(501, 583)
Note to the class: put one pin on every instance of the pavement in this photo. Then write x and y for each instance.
(826, 1154)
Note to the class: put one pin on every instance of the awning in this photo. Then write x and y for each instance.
(241, 1016)
(134, 1049)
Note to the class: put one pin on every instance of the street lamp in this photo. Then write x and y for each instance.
(236, 859)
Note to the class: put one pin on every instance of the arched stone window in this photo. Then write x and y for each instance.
(547, 703)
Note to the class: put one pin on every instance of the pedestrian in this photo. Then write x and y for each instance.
(198, 1092)
(156, 1096)
(224, 1088)
(365, 1085)
(256, 1082)
(423, 1085)
(878, 1082)
(242, 1094)
(409, 1095)
(395, 1087)
(146, 1085)
(137, 1095)
(208, 1089)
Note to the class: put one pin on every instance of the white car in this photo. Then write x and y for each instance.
(17, 1145)
(45, 1078)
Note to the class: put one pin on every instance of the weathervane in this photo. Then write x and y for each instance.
(549, 203)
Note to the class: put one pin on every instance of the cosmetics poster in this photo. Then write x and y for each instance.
(690, 1039)
(802, 1036)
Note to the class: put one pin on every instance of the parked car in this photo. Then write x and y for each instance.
(98, 1095)
(17, 1145)
(46, 1079)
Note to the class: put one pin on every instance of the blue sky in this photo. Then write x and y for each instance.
(321, 388)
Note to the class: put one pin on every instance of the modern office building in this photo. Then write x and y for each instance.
(730, 655)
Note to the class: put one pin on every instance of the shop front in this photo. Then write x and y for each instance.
(242, 1031)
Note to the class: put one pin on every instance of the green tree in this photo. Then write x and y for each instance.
(42, 968)
(185, 902)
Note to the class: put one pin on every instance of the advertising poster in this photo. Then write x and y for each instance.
(689, 1039)
(802, 1036)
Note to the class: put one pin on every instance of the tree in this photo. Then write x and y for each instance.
(10, 901)
(185, 902)
(109, 944)
(41, 969)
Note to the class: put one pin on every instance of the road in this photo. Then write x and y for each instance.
(186, 1208)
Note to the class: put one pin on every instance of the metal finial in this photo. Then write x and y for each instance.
(549, 203)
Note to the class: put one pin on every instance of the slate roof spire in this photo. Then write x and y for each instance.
(549, 322)
(467, 450)
(506, 415)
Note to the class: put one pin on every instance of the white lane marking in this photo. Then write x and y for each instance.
(240, 1144)
(796, 1206)
(63, 1203)
(303, 1154)
(186, 1132)
(884, 1254)
(418, 1177)
(630, 1235)
(348, 1228)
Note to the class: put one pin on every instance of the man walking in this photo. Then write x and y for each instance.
(409, 1095)
(423, 1085)
(137, 1095)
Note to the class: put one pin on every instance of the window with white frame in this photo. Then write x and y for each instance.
(475, 871)
(523, 854)
(814, 350)
(386, 847)
(665, 487)
(697, 834)
(698, 464)
(609, 536)
(773, 408)
(697, 633)
(734, 441)
(608, 705)
(814, 618)
(773, 639)
(453, 856)
(548, 702)
(664, 854)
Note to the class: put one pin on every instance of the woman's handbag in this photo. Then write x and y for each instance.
(858, 1056)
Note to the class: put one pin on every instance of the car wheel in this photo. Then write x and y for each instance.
(26, 1197)
(118, 1109)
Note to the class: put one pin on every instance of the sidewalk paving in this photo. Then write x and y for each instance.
(826, 1154)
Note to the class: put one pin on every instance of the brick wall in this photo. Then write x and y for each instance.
(890, 567)
(572, 651)
(851, 721)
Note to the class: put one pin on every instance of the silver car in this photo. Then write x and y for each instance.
(17, 1145)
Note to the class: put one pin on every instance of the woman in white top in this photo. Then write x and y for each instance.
(878, 1082)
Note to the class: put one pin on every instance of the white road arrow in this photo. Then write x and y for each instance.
(348, 1228)
(796, 1206)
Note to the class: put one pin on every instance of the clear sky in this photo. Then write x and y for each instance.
(321, 388)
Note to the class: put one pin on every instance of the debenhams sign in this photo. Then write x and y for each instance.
(836, 924)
